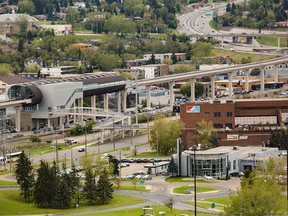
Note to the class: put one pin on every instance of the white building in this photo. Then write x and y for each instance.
(58, 71)
(223, 160)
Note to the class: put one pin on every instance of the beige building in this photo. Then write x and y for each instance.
(9, 23)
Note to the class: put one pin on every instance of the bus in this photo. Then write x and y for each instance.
(12, 156)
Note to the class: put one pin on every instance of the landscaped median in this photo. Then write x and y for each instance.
(219, 203)
(181, 179)
(7, 184)
(188, 189)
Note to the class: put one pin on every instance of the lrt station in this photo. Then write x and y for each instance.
(52, 103)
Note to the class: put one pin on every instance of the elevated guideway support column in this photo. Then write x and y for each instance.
(124, 100)
(80, 109)
(148, 95)
(192, 83)
(93, 101)
(171, 93)
(17, 118)
(119, 101)
(279, 42)
(247, 72)
(276, 74)
(213, 87)
(230, 86)
(262, 81)
(106, 102)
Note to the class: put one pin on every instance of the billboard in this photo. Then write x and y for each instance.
(232, 137)
(192, 109)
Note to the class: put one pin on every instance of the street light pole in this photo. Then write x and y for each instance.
(194, 167)
(136, 99)
(113, 132)
(85, 140)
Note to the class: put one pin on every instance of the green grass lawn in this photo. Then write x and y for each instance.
(148, 155)
(131, 187)
(184, 189)
(156, 210)
(220, 202)
(12, 204)
(180, 179)
(267, 41)
(8, 183)
(237, 56)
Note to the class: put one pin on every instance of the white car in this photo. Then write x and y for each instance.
(208, 177)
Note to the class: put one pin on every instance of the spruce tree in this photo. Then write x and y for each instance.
(46, 185)
(89, 189)
(25, 176)
(172, 167)
(63, 194)
(104, 190)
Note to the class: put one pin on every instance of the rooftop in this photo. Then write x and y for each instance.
(229, 149)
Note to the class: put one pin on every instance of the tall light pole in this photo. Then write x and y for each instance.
(113, 132)
(85, 139)
(136, 98)
(194, 168)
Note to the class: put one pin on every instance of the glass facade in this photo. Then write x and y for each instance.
(214, 167)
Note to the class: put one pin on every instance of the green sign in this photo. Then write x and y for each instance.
(208, 14)
(212, 205)
(142, 182)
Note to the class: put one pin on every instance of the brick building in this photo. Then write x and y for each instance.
(238, 122)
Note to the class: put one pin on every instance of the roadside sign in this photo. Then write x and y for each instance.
(208, 14)
(142, 182)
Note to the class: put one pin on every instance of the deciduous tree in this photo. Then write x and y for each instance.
(164, 135)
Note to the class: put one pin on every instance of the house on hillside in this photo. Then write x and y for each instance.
(8, 23)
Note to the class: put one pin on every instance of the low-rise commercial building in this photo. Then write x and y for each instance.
(239, 122)
(221, 161)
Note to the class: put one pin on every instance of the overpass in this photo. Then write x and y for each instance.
(170, 79)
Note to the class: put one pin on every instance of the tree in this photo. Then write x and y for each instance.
(32, 68)
(22, 23)
(172, 167)
(152, 59)
(63, 193)
(89, 189)
(104, 190)
(21, 45)
(278, 139)
(115, 163)
(26, 7)
(5, 69)
(25, 176)
(174, 58)
(72, 16)
(45, 185)
(185, 89)
(205, 134)
(255, 72)
(201, 50)
(259, 194)
(164, 135)
(183, 68)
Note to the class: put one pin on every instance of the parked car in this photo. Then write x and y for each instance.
(71, 141)
(147, 177)
(236, 174)
(208, 177)
(81, 150)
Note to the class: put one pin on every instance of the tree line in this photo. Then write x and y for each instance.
(49, 187)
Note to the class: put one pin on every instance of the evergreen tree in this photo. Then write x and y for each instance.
(152, 60)
(25, 176)
(172, 167)
(115, 162)
(21, 45)
(174, 58)
(63, 193)
(45, 186)
(89, 189)
(104, 190)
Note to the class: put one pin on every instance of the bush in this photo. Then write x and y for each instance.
(35, 138)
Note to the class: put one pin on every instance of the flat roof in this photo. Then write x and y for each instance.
(229, 149)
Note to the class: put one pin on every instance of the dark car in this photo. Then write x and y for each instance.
(236, 174)
(81, 150)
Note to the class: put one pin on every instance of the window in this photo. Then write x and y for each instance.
(234, 165)
(229, 114)
(217, 114)
(207, 113)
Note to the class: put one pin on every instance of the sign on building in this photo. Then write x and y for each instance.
(192, 109)
(232, 137)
